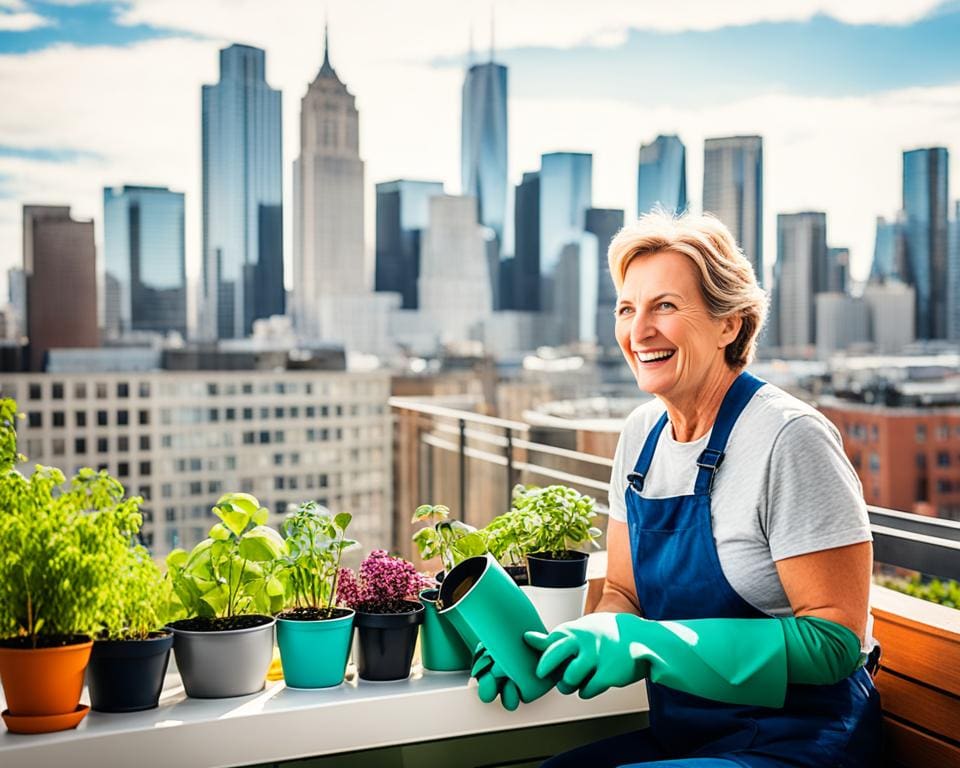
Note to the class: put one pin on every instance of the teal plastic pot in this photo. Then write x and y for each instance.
(314, 653)
(441, 647)
(481, 599)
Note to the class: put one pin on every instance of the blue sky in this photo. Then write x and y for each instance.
(107, 93)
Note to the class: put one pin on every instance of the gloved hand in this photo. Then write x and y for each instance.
(741, 661)
(492, 681)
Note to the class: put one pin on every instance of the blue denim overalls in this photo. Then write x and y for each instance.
(678, 576)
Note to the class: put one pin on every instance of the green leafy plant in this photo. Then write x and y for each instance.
(933, 590)
(556, 519)
(237, 570)
(60, 544)
(451, 540)
(510, 537)
(141, 599)
(315, 543)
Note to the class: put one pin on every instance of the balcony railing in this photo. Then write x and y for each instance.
(476, 460)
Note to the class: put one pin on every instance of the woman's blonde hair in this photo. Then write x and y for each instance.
(727, 281)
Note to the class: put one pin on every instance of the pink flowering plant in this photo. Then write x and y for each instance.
(382, 584)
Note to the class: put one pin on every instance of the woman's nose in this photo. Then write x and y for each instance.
(641, 328)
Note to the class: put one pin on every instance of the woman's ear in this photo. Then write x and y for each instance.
(730, 329)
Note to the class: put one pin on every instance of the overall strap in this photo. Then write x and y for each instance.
(736, 399)
(642, 466)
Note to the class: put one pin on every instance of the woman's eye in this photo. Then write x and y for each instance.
(666, 305)
(623, 310)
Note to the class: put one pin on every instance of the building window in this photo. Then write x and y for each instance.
(80, 390)
(278, 482)
(212, 389)
(264, 413)
(80, 445)
(943, 432)
(921, 433)
(145, 468)
(144, 389)
(57, 390)
(102, 445)
(35, 419)
(58, 446)
(921, 461)
(230, 414)
(213, 414)
(143, 418)
(123, 390)
(123, 418)
(264, 437)
(249, 438)
(36, 392)
(101, 418)
(101, 390)
(247, 414)
(944, 486)
(874, 463)
(81, 418)
(123, 469)
(123, 444)
(248, 388)
(311, 411)
(144, 442)
(196, 488)
(278, 413)
(943, 459)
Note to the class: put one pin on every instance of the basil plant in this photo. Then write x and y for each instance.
(451, 540)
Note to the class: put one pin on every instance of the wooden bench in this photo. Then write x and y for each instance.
(919, 679)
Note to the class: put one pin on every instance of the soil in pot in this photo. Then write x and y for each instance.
(566, 569)
(127, 675)
(220, 624)
(313, 614)
(385, 642)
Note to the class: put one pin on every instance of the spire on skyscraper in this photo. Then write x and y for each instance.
(491, 32)
(326, 69)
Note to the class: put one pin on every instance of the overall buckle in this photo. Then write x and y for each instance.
(636, 480)
(710, 459)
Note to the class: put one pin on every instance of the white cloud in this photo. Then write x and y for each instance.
(137, 107)
(15, 17)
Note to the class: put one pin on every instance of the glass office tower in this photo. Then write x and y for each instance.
(145, 274)
(483, 143)
(403, 212)
(925, 236)
(526, 288)
(662, 176)
(733, 191)
(242, 197)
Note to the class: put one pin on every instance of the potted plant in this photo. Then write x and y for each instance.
(131, 652)
(314, 634)
(442, 649)
(558, 519)
(510, 538)
(58, 550)
(230, 585)
(383, 593)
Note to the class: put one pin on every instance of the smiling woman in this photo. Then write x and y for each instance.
(739, 552)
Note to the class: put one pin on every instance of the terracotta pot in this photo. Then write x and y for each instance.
(43, 682)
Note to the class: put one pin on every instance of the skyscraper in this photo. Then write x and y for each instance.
(455, 293)
(925, 236)
(953, 278)
(525, 294)
(838, 270)
(566, 180)
(662, 176)
(242, 197)
(889, 259)
(603, 224)
(403, 212)
(60, 264)
(145, 274)
(328, 204)
(733, 191)
(483, 143)
(801, 252)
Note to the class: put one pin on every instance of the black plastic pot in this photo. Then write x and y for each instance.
(518, 573)
(384, 643)
(127, 675)
(549, 571)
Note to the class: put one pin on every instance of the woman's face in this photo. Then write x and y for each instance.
(670, 340)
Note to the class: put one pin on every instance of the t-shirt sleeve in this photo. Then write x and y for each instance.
(618, 480)
(814, 497)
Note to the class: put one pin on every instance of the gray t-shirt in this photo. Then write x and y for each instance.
(785, 488)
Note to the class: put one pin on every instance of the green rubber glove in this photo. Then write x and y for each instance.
(739, 661)
(492, 682)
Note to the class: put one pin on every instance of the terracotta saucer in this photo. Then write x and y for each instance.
(44, 723)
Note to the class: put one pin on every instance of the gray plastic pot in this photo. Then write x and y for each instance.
(218, 665)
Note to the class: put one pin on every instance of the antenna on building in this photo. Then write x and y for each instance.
(491, 31)
(326, 36)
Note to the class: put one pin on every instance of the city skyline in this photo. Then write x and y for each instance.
(60, 165)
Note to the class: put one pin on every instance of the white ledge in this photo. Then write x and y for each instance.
(281, 723)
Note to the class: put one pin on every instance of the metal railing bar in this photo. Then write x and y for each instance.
(472, 453)
(920, 538)
(418, 406)
(487, 437)
(565, 453)
(566, 477)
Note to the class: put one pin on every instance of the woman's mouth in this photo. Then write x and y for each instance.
(648, 359)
